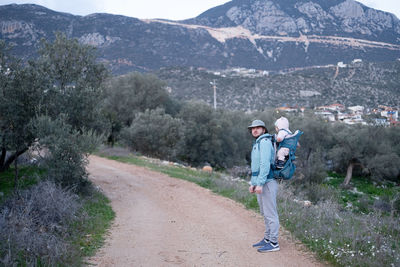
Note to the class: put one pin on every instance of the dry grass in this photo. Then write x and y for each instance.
(34, 225)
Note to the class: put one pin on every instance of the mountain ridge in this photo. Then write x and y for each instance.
(265, 35)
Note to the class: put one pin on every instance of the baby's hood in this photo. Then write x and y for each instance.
(282, 123)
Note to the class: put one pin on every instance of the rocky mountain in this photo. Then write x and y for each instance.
(296, 18)
(258, 34)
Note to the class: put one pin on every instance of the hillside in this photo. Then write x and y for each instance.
(361, 83)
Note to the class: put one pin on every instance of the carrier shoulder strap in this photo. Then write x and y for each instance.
(270, 137)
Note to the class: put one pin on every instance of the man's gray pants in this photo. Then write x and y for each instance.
(268, 208)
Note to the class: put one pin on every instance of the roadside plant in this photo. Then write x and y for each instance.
(34, 225)
(64, 151)
(154, 133)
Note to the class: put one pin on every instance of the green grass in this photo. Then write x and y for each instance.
(201, 178)
(367, 191)
(364, 185)
(27, 176)
(132, 160)
(91, 232)
(251, 202)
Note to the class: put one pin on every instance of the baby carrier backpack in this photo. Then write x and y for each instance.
(289, 167)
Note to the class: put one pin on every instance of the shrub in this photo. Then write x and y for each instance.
(154, 133)
(319, 193)
(219, 138)
(34, 225)
(66, 151)
(243, 172)
(383, 204)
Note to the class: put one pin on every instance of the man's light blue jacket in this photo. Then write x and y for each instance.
(262, 157)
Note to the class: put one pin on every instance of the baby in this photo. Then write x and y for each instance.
(282, 129)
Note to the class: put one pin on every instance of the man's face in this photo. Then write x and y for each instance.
(257, 131)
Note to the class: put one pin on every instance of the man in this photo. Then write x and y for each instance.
(264, 185)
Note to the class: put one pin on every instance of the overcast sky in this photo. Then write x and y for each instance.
(166, 9)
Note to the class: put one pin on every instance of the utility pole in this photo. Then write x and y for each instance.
(215, 93)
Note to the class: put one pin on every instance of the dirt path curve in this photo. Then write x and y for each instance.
(162, 221)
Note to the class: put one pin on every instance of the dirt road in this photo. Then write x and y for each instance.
(162, 221)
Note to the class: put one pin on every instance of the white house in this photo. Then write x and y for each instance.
(390, 114)
(356, 109)
(326, 115)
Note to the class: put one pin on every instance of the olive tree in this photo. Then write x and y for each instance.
(366, 147)
(65, 81)
(383, 159)
(127, 95)
(75, 79)
(21, 96)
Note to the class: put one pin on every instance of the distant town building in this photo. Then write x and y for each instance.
(333, 107)
(356, 109)
(392, 115)
(342, 116)
(287, 109)
(326, 115)
(265, 73)
(355, 120)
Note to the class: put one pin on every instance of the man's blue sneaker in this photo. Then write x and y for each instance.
(269, 248)
(262, 243)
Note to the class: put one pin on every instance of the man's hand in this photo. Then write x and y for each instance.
(252, 188)
(258, 189)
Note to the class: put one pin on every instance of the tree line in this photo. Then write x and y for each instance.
(66, 102)
(196, 134)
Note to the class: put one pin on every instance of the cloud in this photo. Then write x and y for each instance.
(75, 7)
(391, 6)
(171, 9)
